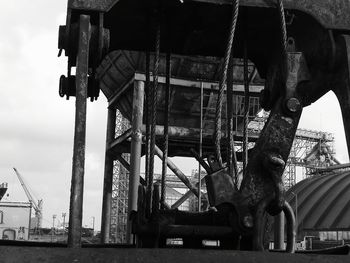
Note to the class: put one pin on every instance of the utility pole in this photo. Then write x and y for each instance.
(93, 226)
(53, 227)
(64, 223)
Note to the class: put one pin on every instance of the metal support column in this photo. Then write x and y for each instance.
(135, 152)
(108, 179)
(278, 240)
(200, 150)
(77, 184)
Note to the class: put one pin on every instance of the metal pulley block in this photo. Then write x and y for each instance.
(220, 188)
(99, 43)
(67, 87)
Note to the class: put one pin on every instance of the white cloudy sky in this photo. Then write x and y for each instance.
(36, 125)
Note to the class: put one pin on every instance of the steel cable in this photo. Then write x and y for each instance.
(166, 131)
(283, 26)
(246, 108)
(154, 93)
(222, 84)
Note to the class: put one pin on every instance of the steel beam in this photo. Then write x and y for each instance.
(108, 179)
(77, 185)
(176, 171)
(135, 155)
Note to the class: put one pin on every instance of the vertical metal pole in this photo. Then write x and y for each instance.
(200, 149)
(279, 231)
(296, 214)
(148, 116)
(166, 130)
(246, 109)
(135, 151)
(77, 184)
(108, 179)
(64, 224)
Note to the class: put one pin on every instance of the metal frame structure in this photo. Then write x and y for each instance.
(302, 53)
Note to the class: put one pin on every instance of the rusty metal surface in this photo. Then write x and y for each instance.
(135, 155)
(53, 255)
(342, 83)
(330, 13)
(95, 5)
(77, 185)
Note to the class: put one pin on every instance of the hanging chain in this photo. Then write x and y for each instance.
(222, 84)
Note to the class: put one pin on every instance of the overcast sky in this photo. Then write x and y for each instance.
(36, 125)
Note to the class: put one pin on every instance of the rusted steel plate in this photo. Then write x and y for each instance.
(330, 13)
(96, 5)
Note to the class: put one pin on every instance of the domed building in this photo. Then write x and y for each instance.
(322, 206)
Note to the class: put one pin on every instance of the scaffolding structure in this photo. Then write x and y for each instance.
(120, 189)
(310, 151)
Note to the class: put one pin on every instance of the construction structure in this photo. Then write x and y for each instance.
(15, 220)
(164, 65)
(37, 205)
(310, 152)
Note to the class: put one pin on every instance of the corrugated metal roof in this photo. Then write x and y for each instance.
(323, 202)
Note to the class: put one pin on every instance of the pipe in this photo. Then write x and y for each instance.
(135, 152)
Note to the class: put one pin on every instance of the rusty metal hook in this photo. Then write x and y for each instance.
(259, 226)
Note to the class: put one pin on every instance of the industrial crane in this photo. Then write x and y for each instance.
(37, 205)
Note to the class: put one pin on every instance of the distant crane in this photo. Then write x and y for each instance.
(37, 205)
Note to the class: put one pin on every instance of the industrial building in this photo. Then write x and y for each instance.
(15, 220)
(322, 206)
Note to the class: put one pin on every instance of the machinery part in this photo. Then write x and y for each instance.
(271, 151)
(259, 226)
(341, 87)
(77, 188)
(99, 44)
(67, 87)
(221, 188)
